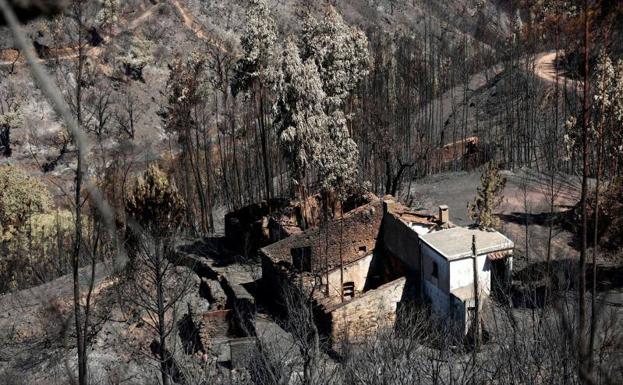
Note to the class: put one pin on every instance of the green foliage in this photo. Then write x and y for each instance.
(39, 252)
(47, 224)
(21, 196)
(488, 199)
(32, 238)
(155, 203)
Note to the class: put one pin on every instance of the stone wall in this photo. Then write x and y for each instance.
(363, 315)
(246, 229)
(214, 326)
(351, 239)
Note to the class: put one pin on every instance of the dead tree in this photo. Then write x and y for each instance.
(156, 289)
(582, 343)
(155, 209)
(77, 13)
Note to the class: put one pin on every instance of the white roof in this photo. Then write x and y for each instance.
(456, 243)
(419, 228)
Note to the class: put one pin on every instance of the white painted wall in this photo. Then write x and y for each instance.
(428, 257)
(452, 275)
(436, 289)
(462, 273)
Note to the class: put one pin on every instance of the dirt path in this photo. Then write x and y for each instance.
(190, 23)
(545, 68)
(11, 56)
(142, 17)
(451, 101)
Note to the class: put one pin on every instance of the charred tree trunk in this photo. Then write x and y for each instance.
(582, 348)
(160, 303)
(77, 248)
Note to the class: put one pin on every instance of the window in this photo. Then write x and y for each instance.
(348, 289)
(301, 259)
(363, 248)
(435, 270)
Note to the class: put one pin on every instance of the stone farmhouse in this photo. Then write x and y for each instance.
(382, 256)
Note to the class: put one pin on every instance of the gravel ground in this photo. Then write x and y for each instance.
(526, 192)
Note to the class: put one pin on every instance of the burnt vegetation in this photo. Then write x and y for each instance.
(240, 192)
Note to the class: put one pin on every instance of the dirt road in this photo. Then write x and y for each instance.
(545, 68)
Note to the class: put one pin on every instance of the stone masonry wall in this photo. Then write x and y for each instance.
(363, 315)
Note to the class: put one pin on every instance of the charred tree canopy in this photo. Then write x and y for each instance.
(31, 9)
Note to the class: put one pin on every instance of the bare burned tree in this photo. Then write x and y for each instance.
(127, 114)
(185, 100)
(155, 209)
(10, 118)
(583, 355)
(81, 312)
(301, 356)
(253, 75)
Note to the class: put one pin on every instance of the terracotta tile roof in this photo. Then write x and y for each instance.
(409, 215)
(498, 255)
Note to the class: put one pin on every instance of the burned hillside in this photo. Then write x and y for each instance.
(311, 192)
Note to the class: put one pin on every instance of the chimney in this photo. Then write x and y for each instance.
(444, 214)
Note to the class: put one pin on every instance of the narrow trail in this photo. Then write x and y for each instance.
(11, 56)
(142, 17)
(544, 68)
(190, 23)
(451, 101)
